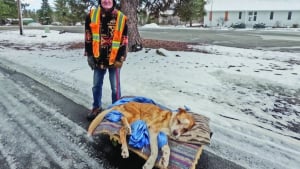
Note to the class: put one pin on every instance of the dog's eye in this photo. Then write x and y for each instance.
(178, 121)
(184, 130)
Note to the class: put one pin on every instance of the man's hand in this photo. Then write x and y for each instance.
(91, 62)
(119, 63)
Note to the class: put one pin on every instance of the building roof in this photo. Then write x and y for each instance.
(255, 5)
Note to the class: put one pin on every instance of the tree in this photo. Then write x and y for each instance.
(77, 11)
(129, 9)
(188, 10)
(45, 13)
(70, 11)
(26, 13)
(61, 11)
(221, 21)
(152, 8)
(8, 9)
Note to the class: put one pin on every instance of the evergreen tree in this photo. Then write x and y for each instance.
(8, 9)
(62, 11)
(154, 7)
(70, 12)
(77, 11)
(188, 10)
(45, 13)
(31, 14)
(26, 13)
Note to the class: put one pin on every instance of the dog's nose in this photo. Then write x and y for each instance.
(175, 133)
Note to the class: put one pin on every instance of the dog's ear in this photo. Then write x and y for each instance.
(181, 110)
(190, 117)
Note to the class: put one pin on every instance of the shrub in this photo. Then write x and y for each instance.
(277, 24)
(295, 25)
(259, 25)
(238, 25)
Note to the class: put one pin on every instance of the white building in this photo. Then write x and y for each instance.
(273, 13)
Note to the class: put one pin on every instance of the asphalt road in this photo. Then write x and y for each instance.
(288, 41)
(41, 128)
(251, 39)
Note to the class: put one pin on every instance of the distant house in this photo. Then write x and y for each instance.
(273, 13)
(27, 21)
(167, 18)
(14, 21)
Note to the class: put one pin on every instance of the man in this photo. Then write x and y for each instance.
(106, 43)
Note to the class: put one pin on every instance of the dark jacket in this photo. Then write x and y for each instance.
(108, 22)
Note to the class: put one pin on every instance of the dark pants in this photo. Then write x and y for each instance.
(114, 78)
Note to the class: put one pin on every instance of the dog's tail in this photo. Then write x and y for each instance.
(97, 121)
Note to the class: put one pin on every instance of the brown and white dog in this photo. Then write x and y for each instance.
(171, 123)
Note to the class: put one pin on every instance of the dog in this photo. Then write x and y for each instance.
(158, 120)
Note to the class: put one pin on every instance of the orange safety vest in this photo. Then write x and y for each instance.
(117, 35)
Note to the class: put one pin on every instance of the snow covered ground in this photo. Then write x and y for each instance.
(252, 97)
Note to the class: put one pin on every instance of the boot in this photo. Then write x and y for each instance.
(93, 114)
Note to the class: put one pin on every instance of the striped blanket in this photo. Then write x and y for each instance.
(183, 155)
(185, 151)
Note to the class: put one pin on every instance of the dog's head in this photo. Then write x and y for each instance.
(181, 123)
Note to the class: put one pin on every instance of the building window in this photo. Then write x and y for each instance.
(226, 16)
(240, 15)
(271, 15)
(290, 15)
(255, 15)
(250, 14)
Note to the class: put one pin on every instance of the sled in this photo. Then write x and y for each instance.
(185, 151)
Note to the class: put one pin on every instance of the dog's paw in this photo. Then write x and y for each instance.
(163, 162)
(147, 165)
(128, 128)
(124, 152)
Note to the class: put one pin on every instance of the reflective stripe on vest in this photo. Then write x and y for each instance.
(95, 28)
(117, 35)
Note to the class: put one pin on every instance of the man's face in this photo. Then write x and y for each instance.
(107, 4)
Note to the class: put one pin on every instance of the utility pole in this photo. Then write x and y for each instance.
(20, 17)
(211, 12)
